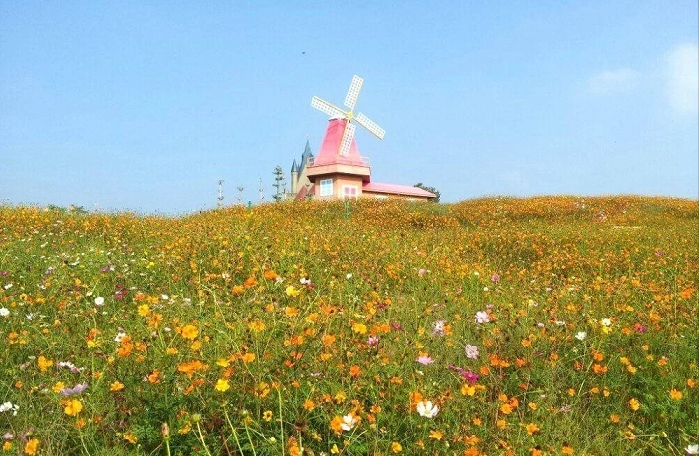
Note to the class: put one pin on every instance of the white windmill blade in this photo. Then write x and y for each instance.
(328, 108)
(365, 122)
(353, 92)
(347, 137)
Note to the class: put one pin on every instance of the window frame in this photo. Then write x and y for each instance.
(326, 184)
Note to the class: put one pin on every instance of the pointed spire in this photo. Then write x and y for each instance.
(294, 167)
(306, 155)
(307, 150)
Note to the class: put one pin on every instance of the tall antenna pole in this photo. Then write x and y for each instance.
(220, 193)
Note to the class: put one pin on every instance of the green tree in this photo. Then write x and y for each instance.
(279, 183)
(431, 190)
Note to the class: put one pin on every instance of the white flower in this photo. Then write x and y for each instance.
(581, 335)
(99, 301)
(471, 352)
(8, 286)
(606, 322)
(482, 317)
(348, 422)
(120, 335)
(7, 406)
(426, 409)
(560, 323)
(164, 297)
(349, 276)
(692, 449)
(4, 312)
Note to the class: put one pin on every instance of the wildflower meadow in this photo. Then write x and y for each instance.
(496, 326)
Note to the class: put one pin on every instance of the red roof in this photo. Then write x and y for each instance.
(305, 191)
(395, 189)
(328, 153)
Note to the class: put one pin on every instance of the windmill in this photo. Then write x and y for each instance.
(335, 112)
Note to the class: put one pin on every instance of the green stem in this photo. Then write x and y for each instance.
(235, 434)
(201, 437)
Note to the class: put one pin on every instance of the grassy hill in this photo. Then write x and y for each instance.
(553, 325)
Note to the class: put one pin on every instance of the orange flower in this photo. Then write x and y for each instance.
(270, 274)
(248, 358)
(567, 449)
(506, 409)
(154, 377)
(238, 290)
(532, 428)
(355, 371)
(309, 405)
(336, 424)
(190, 367)
(250, 282)
(116, 386)
(189, 332)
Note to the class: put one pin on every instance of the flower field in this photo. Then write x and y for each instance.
(541, 326)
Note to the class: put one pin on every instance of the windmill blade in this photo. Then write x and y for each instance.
(353, 92)
(365, 122)
(347, 137)
(328, 108)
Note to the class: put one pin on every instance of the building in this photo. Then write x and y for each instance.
(329, 175)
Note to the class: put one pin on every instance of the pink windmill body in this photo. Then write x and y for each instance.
(338, 171)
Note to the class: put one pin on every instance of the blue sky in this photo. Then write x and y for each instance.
(146, 105)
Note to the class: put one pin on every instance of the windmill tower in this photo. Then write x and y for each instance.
(337, 113)
(338, 171)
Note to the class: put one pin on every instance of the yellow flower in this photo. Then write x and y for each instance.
(437, 435)
(116, 386)
(396, 447)
(292, 292)
(359, 328)
(267, 415)
(73, 407)
(257, 326)
(675, 394)
(222, 385)
(634, 404)
(58, 387)
(44, 363)
(31, 446)
(143, 310)
(189, 332)
(7, 446)
(130, 438)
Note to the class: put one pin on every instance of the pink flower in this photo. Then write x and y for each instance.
(425, 360)
(372, 341)
(482, 317)
(471, 351)
(495, 278)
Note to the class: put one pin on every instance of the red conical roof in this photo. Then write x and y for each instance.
(329, 148)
